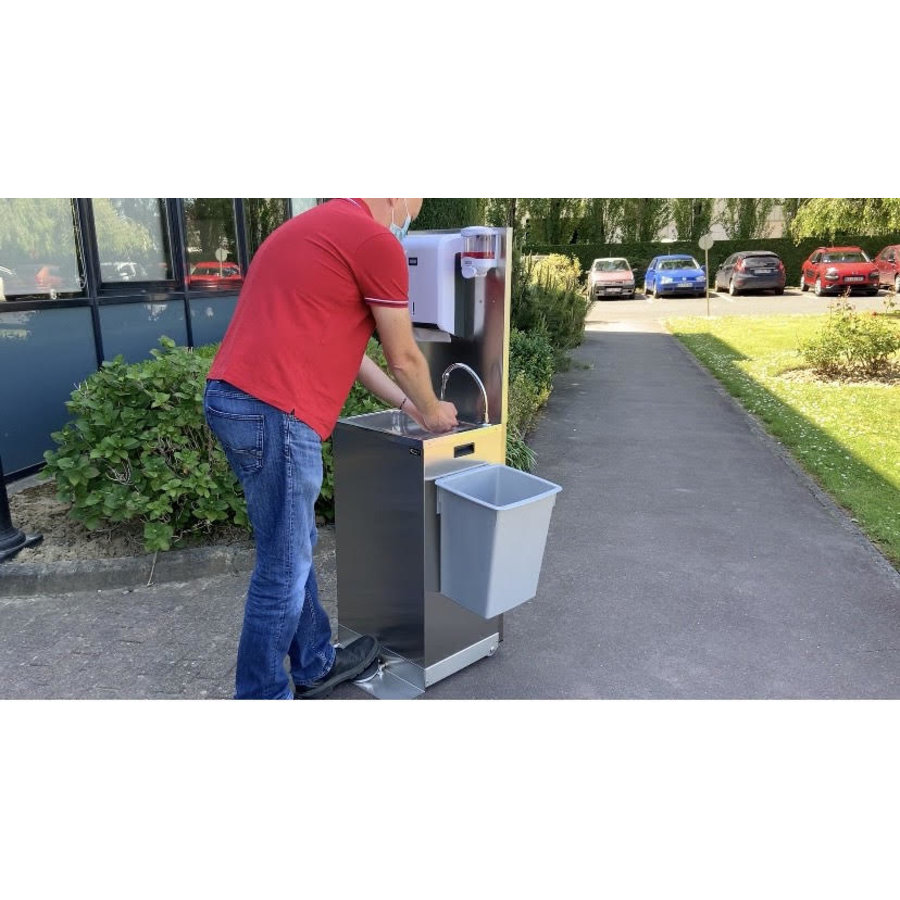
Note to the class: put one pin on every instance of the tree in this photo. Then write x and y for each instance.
(119, 236)
(262, 216)
(829, 217)
(547, 220)
(448, 212)
(746, 218)
(36, 228)
(692, 217)
(790, 206)
(502, 212)
(601, 220)
(552, 220)
(643, 218)
(210, 225)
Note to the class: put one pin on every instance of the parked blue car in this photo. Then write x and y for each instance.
(675, 274)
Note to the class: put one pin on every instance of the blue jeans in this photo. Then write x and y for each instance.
(278, 461)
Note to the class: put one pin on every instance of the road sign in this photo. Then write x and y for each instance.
(222, 254)
(706, 241)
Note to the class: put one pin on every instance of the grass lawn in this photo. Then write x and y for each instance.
(846, 435)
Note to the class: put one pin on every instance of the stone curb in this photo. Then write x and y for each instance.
(31, 579)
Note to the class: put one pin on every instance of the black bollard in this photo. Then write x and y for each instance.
(12, 540)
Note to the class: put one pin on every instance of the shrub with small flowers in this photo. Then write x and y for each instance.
(851, 345)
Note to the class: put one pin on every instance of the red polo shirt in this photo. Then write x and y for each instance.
(303, 316)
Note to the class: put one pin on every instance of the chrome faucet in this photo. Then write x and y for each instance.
(478, 381)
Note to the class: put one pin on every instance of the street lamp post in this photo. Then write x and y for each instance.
(12, 540)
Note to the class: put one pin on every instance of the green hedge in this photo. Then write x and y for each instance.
(447, 212)
(640, 254)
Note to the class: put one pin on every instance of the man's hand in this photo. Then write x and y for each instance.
(443, 419)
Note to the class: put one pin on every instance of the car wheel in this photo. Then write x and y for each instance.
(779, 291)
(732, 290)
(818, 287)
(803, 285)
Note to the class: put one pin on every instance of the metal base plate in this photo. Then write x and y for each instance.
(396, 678)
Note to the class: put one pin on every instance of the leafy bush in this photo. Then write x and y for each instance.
(547, 297)
(518, 454)
(559, 270)
(531, 352)
(851, 345)
(138, 450)
(531, 369)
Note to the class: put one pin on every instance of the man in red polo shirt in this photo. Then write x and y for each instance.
(316, 289)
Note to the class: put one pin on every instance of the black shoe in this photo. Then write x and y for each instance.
(349, 662)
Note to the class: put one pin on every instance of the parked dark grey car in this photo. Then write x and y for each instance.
(746, 270)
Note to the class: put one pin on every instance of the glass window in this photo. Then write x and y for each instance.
(261, 218)
(132, 239)
(302, 204)
(211, 244)
(39, 253)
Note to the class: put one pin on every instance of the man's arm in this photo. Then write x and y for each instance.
(372, 377)
(410, 369)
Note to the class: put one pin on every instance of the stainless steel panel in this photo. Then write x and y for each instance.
(460, 660)
(379, 491)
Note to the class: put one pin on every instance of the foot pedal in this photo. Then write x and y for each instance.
(374, 669)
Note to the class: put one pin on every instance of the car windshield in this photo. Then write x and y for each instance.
(845, 256)
(611, 265)
(688, 263)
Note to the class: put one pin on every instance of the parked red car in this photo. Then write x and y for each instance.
(888, 262)
(215, 275)
(832, 270)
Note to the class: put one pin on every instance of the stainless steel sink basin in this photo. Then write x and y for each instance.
(392, 421)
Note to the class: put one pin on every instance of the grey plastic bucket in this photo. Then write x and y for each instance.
(494, 524)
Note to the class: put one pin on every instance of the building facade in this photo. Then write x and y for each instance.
(85, 280)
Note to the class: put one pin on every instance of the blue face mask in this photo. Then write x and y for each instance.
(400, 231)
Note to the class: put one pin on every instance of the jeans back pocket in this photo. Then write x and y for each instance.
(241, 436)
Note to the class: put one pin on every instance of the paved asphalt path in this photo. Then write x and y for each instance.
(687, 558)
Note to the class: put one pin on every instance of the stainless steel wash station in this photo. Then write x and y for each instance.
(388, 539)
